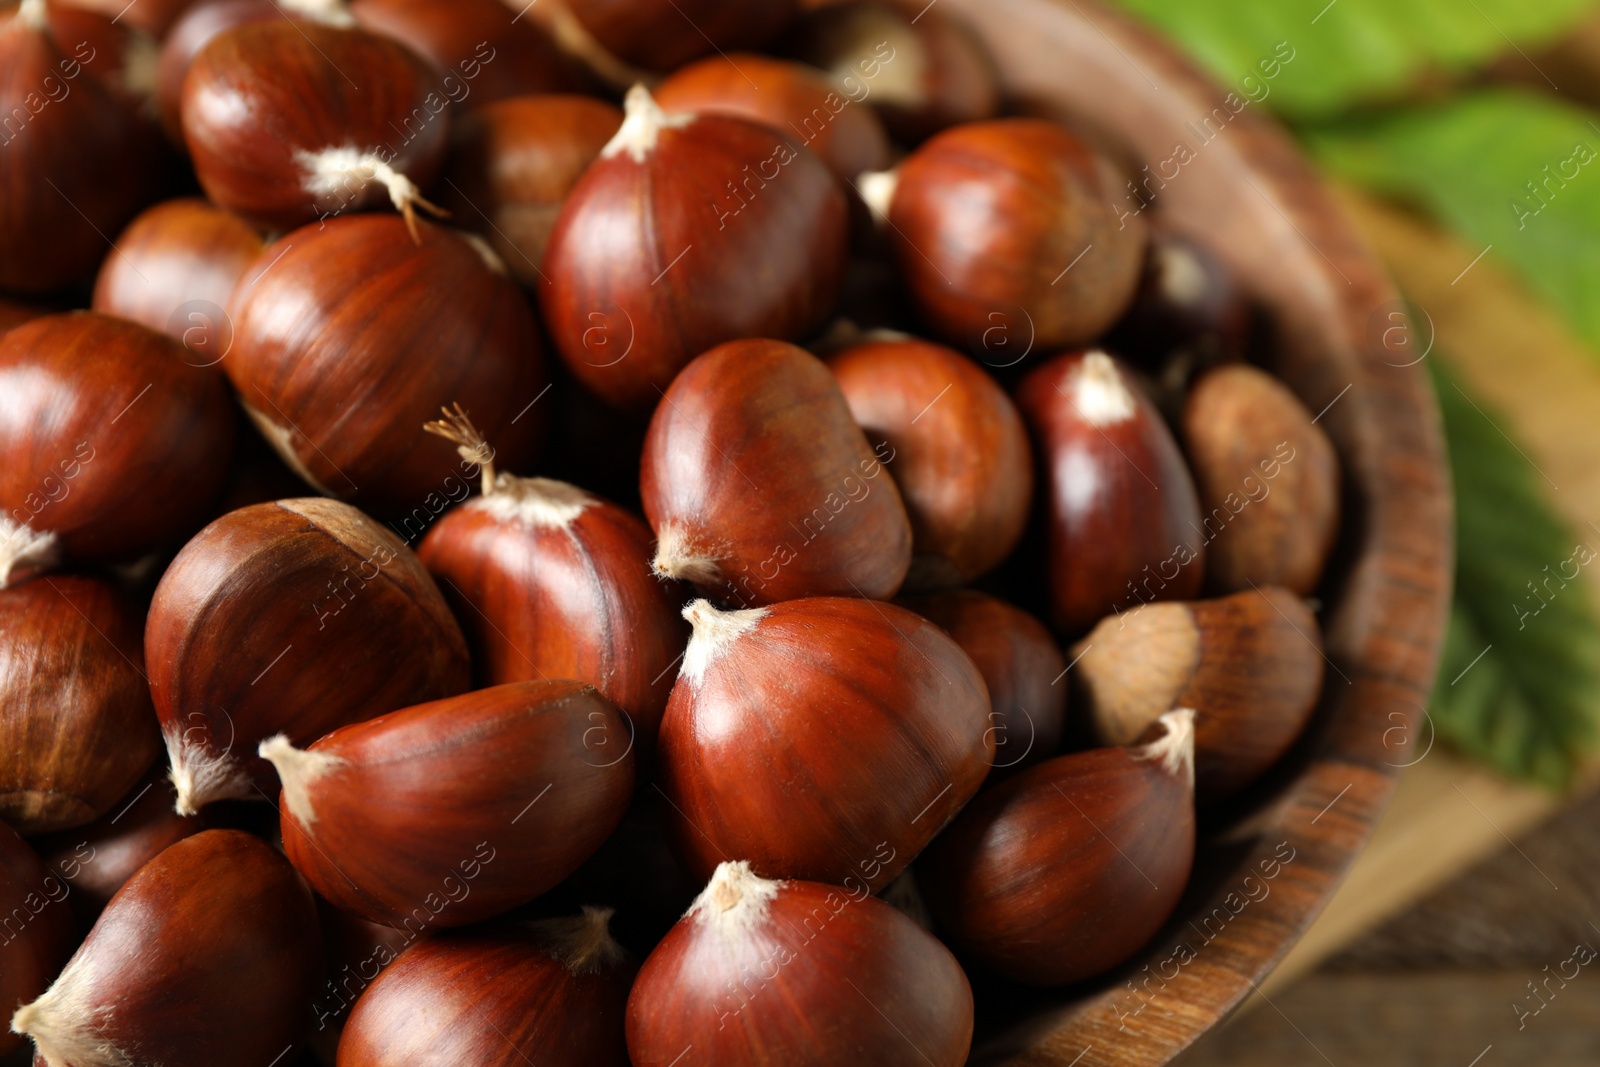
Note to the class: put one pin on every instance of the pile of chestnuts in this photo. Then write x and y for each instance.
(564, 534)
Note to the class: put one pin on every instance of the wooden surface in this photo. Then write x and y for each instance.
(1251, 198)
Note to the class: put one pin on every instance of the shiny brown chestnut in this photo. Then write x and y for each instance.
(1010, 226)
(761, 488)
(1065, 870)
(552, 582)
(665, 247)
(112, 444)
(348, 336)
(76, 726)
(748, 976)
(1268, 478)
(551, 993)
(1121, 514)
(513, 162)
(311, 594)
(790, 97)
(288, 122)
(38, 927)
(779, 712)
(962, 460)
(663, 34)
(208, 955)
(450, 812)
(174, 271)
(1021, 664)
(1250, 665)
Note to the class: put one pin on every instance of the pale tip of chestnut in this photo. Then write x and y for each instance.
(1101, 396)
(714, 631)
(141, 69)
(62, 1025)
(486, 252)
(543, 503)
(331, 172)
(24, 550)
(877, 189)
(33, 14)
(200, 777)
(456, 427)
(297, 770)
(643, 121)
(735, 901)
(680, 555)
(281, 438)
(1175, 748)
(327, 12)
(581, 943)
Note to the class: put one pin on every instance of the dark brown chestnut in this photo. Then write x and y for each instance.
(76, 726)
(780, 712)
(663, 34)
(207, 956)
(1121, 513)
(293, 617)
(38, 928)
(962, 461)
(450, 812)
(760, 486)
(1188, 305)
(1063, 871)
(551, 993)
(112, 444)
(666, 247)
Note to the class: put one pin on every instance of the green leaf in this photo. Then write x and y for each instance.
(1530, 704)
(1353, 51)
(1509, 169)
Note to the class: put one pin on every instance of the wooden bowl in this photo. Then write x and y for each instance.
(1250, 197)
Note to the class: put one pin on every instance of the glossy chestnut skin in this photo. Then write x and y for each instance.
(925, 71)
(513, 162)
(666, 247)
(349, 336)
(1121, 514)
(664, 34)
(33, 951)
(56, 203)
(805, 946)
(392, 817)
(791, 97)
(76, 726)
(550, 993)
(174, 270)
(988, 222)
(1063, 871)
(1268, 479)
(208, 955)
(1187, 302)
(551, 582)
(780, 711)
(962, 460)
(259, 96)
(483, 49)
(112, 442)
(282, 591)
(761, 487)
(1021, 664)
(152, 16)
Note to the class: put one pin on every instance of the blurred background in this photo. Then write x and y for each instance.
(1464, 136)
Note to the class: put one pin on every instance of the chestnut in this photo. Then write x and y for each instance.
(761, 487)
(779, 712)
(962, 461)
(1249, 664)
(38, 928)
(152, 16)
(513, 162)
(921, 69)
(1121, 512)
(76, 726)
(791, 97)
(846, 978)
(1022, 667)
(1268, 479)
(1188, 306)
(551, 993)
(665, 247)
(1063, 871)
(281, 131)
(208, 955)
(112, 445)
(663, 34)
(269, 622)
(348, 336)
(1010, 227)
(438, 814)
(551, 582)
(175, 268)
